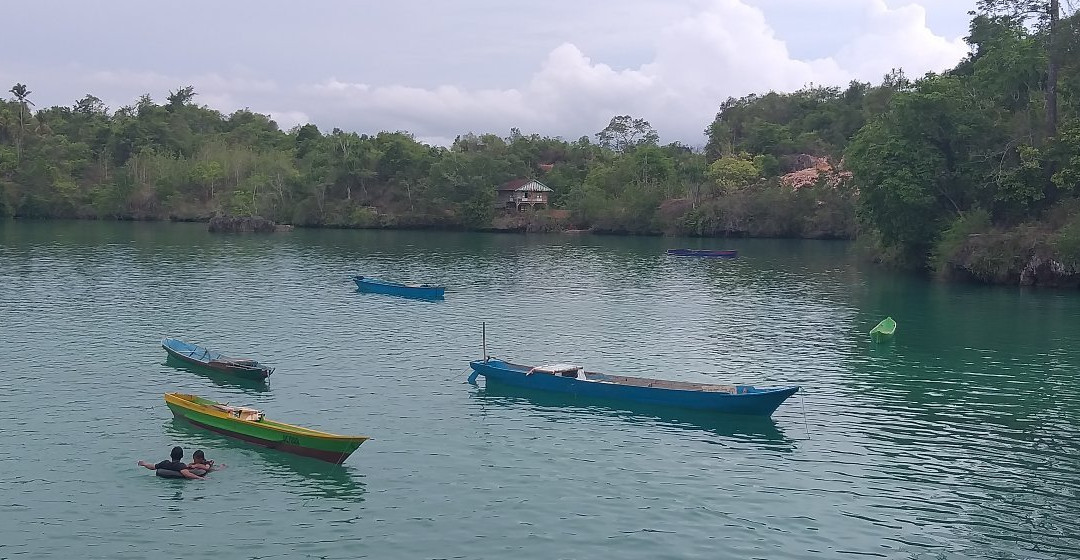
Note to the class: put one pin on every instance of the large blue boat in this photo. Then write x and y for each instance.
(573, 379)
(418, 291)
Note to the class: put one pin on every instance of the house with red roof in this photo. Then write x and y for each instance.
(522, 194)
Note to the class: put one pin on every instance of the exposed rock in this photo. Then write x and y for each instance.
(244, 224)
(1050, 273)
(537, 221)
(815, 169)
(1019, 257)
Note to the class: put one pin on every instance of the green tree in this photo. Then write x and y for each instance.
(208, 174)
(90, 105)
(21, 98)
(625, 132)
(922, 163)
(307, 138)
(1046, 15)
(180, 97)
(729, 174)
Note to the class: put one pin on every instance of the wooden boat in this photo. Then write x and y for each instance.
(249, 424)
(419, 291)
(884, 330)
(204, 357)
(573, 379)
(707, 253)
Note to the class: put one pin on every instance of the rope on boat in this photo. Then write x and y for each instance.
(806, 426)
(458, 373)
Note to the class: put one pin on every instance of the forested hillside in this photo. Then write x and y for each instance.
(975, 171)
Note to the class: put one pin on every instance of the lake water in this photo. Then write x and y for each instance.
(960, 439)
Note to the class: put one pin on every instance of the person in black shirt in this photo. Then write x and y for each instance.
(175, 464)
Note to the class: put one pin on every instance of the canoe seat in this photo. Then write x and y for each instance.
(249, 414)
(241, 361)
(718, 389)
(241, 412)
(566, 370)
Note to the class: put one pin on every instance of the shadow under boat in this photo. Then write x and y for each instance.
(307, 477)
(749, 428)
(414, 297)
(218, 378)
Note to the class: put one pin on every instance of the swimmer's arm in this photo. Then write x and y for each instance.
(189, 474)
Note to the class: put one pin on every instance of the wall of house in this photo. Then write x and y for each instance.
(505, 197)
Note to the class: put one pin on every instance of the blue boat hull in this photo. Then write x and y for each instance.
(745, 399)
(706, 253)
(420, 291)
(215, 361)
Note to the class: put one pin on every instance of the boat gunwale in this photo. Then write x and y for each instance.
(282, 427)
(886, 326)
(391, 283)
(211, 358)
(688, 384)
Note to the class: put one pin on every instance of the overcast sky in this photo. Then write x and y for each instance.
(438, 69)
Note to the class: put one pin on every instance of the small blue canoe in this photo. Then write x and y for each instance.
(706, 253)
(418, 291)
(573, 379)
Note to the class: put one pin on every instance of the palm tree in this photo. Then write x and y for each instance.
(21, 93)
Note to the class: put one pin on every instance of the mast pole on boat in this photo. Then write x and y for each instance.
(483, 338)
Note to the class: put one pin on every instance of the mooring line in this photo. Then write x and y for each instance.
(806, 426)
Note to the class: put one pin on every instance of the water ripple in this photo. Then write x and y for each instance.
(960, 439)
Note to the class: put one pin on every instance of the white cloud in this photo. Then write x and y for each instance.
(287, 119)
(899, 37)
(726, 49)
(686, 60)
(153, 81)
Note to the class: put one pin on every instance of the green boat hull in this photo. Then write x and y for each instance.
(263, 433)
(884, 330)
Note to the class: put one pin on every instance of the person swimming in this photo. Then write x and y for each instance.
(174, 464)
(200, 462)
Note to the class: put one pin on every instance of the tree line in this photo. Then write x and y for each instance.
(968, 171)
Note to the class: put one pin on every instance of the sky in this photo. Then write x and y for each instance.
(439, 69)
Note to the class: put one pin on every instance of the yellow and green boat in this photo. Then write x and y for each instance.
(249, 424)
(884, 330)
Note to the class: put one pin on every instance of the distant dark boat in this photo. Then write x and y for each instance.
(417, 291)
(573, 379)
(210, 359)
(707, 253)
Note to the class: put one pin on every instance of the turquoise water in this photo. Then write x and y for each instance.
(960, 439)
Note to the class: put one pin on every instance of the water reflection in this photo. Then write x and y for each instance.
(958, 440)
(220, 379)
(303, 476)
(746, 428)
(311, 478)
(952, 407)
(429, 299)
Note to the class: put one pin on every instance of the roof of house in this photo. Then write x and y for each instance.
(528, 185)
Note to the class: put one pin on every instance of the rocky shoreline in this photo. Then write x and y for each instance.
(1012, 259)
(244, 224)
